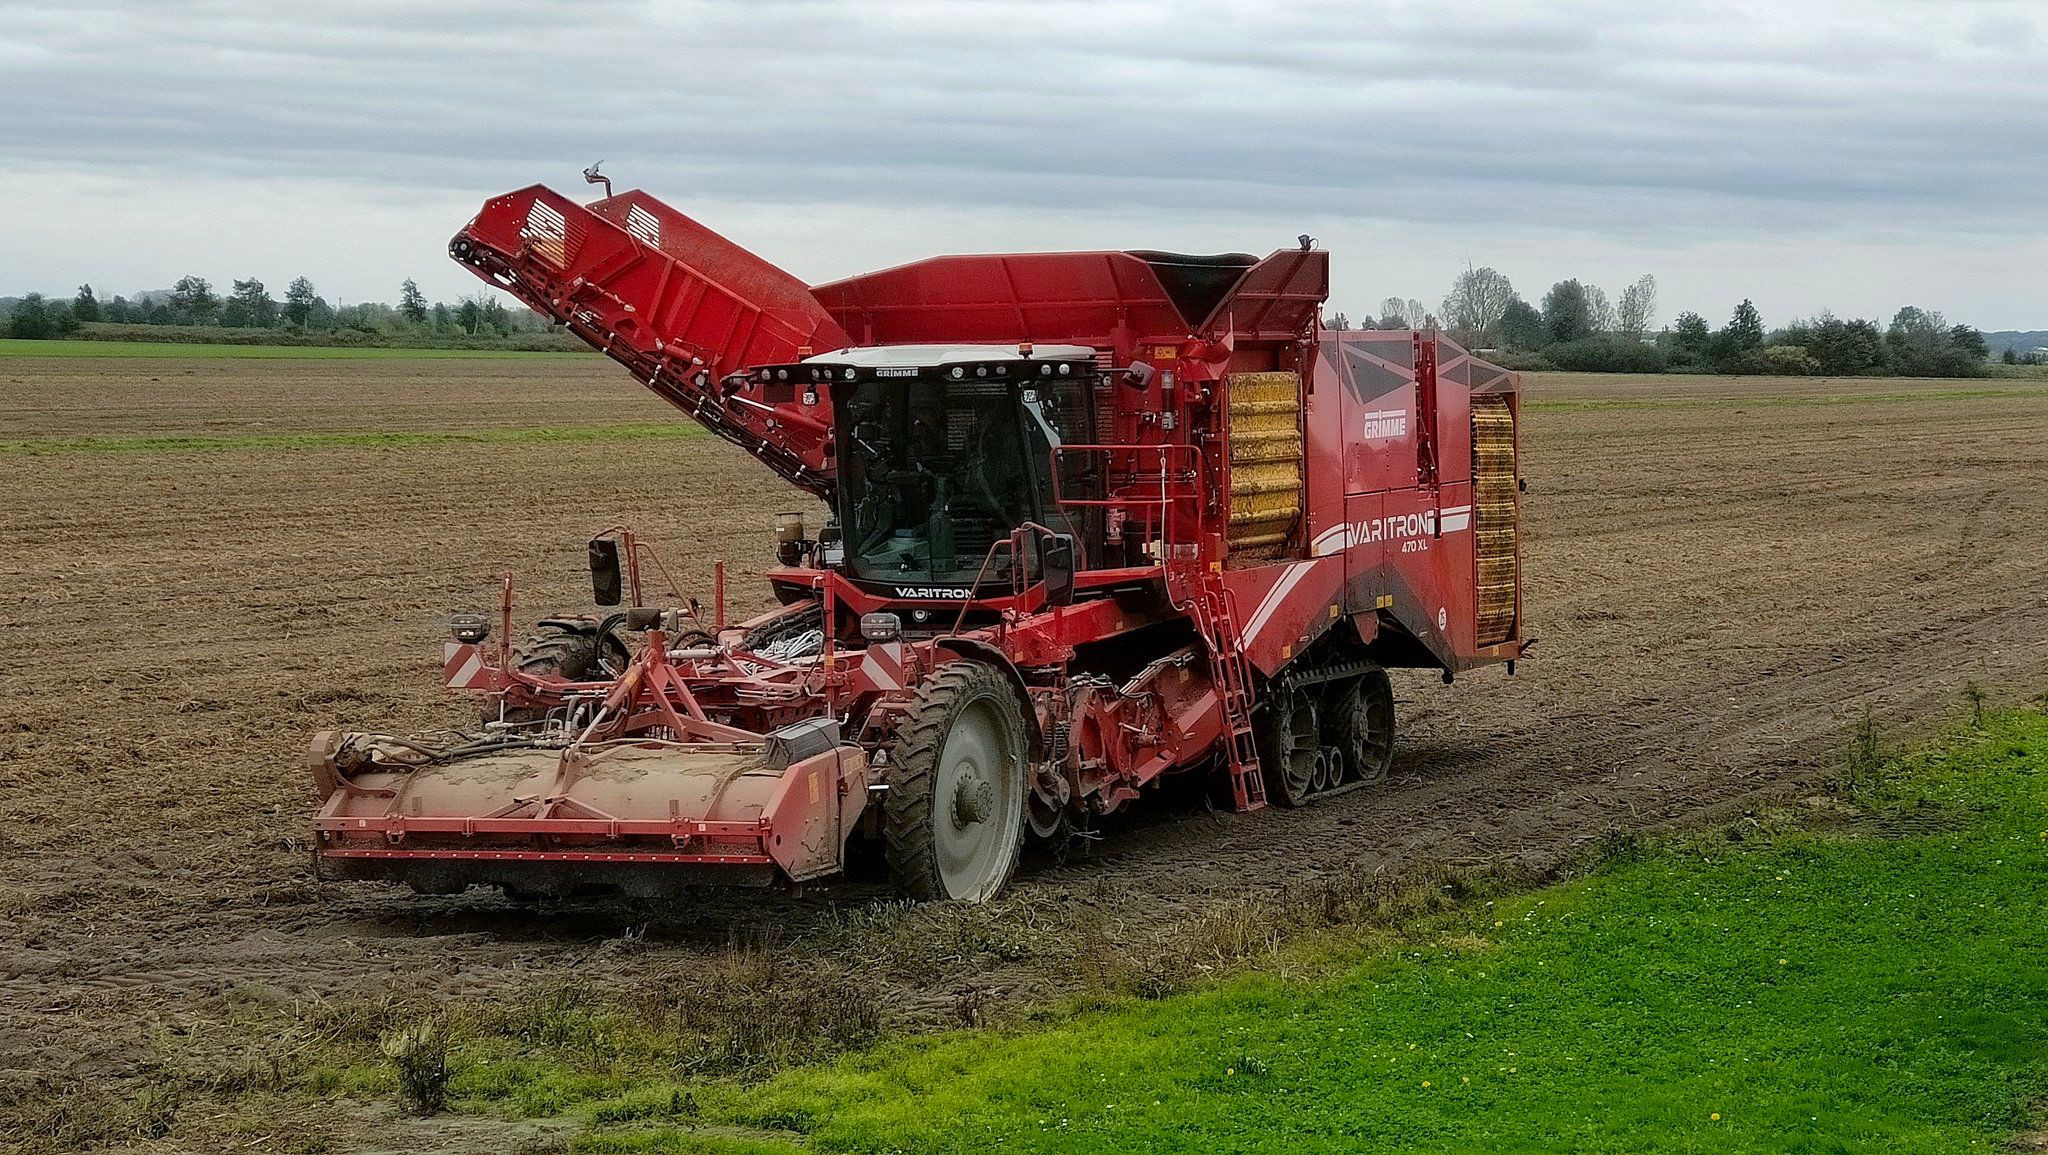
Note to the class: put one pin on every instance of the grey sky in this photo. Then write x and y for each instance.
(1854, 155)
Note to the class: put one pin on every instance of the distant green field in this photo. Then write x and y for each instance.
(11, 347)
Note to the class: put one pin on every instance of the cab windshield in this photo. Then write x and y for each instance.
(930, 475)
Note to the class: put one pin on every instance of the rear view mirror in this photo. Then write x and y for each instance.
(1056, 566)
(607, 584)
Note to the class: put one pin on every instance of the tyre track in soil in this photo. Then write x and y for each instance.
(1720, 592)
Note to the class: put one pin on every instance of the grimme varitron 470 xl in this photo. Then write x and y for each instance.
(1098, 518)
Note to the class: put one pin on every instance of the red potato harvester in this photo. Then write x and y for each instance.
(1097, 519)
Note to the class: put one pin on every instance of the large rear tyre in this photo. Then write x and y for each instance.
(573, 649)
(1360, 724)
(953, 817)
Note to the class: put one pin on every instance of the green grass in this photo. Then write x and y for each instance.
(1778, 985)
(15, 347)
(213, 443)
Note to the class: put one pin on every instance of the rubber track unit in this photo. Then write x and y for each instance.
(908, 807)
(1347, 679)
(1350, 707)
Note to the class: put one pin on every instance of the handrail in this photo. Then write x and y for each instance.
(1020, 576)
(1165, 501)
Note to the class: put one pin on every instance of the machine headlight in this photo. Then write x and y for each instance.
(469, 629)
(881, 627)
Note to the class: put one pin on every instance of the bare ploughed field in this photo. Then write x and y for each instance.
(1724, 575)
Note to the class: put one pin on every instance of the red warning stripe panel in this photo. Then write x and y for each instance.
(463, 667)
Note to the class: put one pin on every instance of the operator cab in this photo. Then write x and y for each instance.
(942, 450)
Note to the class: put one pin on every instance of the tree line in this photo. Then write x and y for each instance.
(1578, 328)
(250, 305)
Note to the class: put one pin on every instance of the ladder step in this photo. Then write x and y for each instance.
(1233, 679)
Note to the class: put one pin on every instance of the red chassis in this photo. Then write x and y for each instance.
(1240, 519)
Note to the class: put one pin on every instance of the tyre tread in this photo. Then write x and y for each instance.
(908, 808)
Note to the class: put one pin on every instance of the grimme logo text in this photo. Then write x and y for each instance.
(1383, 424)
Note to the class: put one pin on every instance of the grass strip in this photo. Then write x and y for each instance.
(14, 347)
(211, 443)
(1867, 983)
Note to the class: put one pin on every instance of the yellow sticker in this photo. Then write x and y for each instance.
(1165, 352)
(813, 776)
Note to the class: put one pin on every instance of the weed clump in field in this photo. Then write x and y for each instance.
(1974, 697)
(419, 1053)
(87, 1115)
(1863, 764)
(750, 1008)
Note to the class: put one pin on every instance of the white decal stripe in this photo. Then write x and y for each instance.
(470, 669)
(1456, 522)
(1274, 597)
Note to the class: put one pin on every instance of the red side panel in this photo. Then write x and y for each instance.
(1282, 608)
(1407, 524)
(742, 294)
(1277, 299)
(1103, 299)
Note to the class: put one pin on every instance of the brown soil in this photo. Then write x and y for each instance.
(1724, 575)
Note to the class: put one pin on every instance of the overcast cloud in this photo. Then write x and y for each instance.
(1854, 155)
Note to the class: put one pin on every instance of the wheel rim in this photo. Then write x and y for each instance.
(977, 806)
